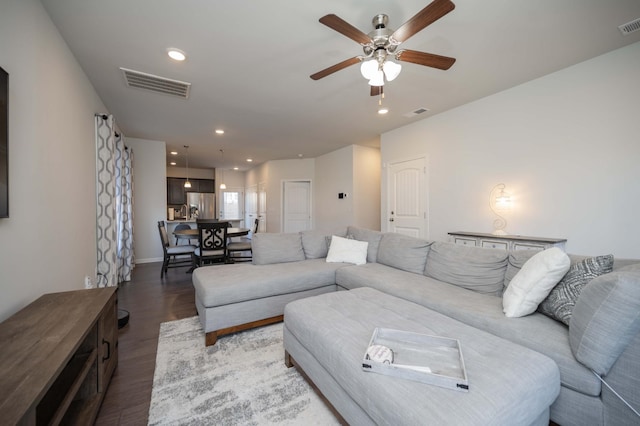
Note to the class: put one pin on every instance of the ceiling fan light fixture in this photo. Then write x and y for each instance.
(391, 70)
(369, 68)
(378, 79)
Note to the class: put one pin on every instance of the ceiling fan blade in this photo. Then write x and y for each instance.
(427, 16)
(345, 28)
(337, 67)
(426, 59)
(376, 90)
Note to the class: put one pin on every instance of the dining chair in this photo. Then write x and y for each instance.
(242, 246)
(174, 256)
(212, 239)
(181, 227)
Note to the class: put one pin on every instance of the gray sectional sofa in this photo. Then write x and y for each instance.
(597, 355)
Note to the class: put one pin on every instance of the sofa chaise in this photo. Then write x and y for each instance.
(596, 354)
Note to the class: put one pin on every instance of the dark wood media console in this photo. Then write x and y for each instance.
(57, 357)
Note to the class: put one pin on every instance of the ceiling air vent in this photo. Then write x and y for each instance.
(416, 112)
(630, 27)
(156, 84)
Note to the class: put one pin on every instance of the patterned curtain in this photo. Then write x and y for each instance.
(114, 221)
(124, 209)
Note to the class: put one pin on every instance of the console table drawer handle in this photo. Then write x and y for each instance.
(108, 350)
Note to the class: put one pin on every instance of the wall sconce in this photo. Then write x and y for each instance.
(499, 203)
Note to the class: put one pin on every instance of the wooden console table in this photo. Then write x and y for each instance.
(57, 357)
(506, 242)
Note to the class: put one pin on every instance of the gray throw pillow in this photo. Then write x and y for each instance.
(562, 299)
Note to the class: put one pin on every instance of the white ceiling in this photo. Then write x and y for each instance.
(249, 64)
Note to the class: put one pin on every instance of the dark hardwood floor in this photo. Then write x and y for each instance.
(150, 302)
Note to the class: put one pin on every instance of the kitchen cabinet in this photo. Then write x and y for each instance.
(205, 185)
(176, 192)
(505, 242)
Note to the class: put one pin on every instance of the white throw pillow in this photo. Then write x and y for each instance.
(347, 250)
(533, 283)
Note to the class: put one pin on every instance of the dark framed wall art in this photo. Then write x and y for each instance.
(4, 143)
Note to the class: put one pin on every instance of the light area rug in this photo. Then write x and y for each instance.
(241, 380)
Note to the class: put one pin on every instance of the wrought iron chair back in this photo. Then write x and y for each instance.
(212, 237)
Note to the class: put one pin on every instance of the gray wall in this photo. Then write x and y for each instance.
(150, 197)
(566, 146)
(49, 243)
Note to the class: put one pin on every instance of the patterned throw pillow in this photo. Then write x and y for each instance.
(560, 302)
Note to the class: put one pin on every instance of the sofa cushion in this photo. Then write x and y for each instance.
(314, 244)
(270, 248)
(562, 298)
(347, 250)
(473, 268)
(606, 317)
(220, 285)
(403, 252)
(370, 236)
(535, 280)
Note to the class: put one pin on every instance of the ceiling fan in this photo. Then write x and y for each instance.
(381, 44)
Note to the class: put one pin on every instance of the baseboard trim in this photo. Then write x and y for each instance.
(150, 260)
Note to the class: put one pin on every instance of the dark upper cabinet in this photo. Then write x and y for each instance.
(206, 185)
(175, 191)
(177, 194)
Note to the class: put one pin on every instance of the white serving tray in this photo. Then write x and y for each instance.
(428, 359)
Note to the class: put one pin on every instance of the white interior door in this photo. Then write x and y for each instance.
(407, 200)
(231, 205)
(251, 204)
(296, 206)
(262, 206)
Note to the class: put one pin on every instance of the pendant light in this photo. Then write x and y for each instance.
(187, 184)
(222, 185)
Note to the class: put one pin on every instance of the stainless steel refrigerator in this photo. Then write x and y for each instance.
(201, 205)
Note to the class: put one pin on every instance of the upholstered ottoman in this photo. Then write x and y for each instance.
(326, 336)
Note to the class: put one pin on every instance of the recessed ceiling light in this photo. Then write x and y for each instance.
(220, 131)
(236, 168)
(249, 160)
(383, 110)
(176, 54)
(173, 163)
(174, 152)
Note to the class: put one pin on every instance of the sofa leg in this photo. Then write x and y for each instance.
(287, 360)
(210, 338)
